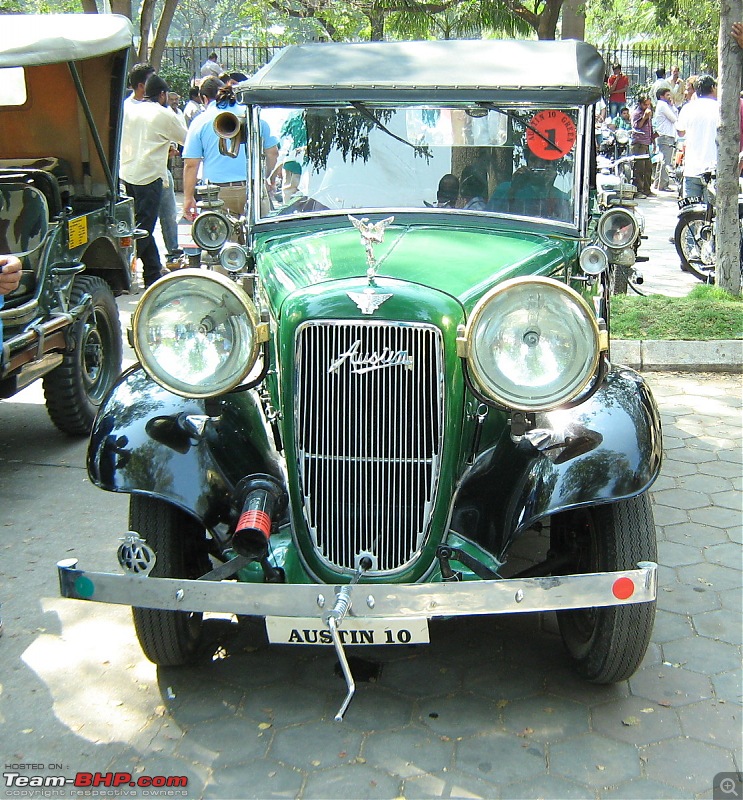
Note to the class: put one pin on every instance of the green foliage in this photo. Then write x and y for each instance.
(457, 20)
(349, 20)
(177, 77)
(40, 7)
(679, 24)
(707, 312)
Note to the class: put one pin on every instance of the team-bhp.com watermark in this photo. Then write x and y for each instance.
(19, 782)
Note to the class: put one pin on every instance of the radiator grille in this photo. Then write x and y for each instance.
(369, 414)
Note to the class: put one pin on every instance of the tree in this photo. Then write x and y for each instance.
(204, 22)
(375, 19)
(681, 24)
(728, 149)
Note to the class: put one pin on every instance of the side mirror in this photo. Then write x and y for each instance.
(24, 219)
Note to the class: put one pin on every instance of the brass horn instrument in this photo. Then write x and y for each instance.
(231, 132)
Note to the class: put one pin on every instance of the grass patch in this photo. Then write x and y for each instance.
(706, 313)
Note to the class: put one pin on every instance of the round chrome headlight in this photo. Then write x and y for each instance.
(593, 260)
(532, 344)
(196, 333)
(233, 257)
(617, 228)
(210, 230)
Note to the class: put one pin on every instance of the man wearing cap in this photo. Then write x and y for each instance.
(149, 127)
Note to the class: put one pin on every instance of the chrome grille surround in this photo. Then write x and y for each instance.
(369, 417)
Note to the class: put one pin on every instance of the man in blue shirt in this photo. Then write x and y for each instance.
(202, 147)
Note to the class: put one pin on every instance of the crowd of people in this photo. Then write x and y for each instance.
(674, 123)
(154, 130)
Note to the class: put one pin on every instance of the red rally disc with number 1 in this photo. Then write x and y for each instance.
(557, 138)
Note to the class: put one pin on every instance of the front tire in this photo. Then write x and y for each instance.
(169, 638)
(607, 644)
(75, 389)
(695, 245)
(619, 279)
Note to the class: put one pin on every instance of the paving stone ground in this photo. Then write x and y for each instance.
(490, 709)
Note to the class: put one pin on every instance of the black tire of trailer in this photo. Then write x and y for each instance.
(75, 389)
(608, 644)
(169, 638)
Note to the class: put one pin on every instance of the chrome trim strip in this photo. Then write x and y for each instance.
(367, 600)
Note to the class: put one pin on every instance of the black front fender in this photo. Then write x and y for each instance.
(140, 444)
(604, 450)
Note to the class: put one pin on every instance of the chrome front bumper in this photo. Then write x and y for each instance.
(367, 600)
(330, 605)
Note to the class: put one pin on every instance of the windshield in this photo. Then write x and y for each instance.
(513, 161)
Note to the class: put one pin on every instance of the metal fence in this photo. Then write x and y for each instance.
(638, 63)
(234, 58)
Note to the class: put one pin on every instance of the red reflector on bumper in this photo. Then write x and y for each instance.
(125, 241)
(623, 588)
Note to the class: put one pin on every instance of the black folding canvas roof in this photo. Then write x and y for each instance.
(494, 71)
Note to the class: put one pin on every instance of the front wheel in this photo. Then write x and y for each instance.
(607, 644)
(619, 279)
(75, 389)
(169, 638)
(694, 238)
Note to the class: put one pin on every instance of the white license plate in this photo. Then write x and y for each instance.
(311, 630)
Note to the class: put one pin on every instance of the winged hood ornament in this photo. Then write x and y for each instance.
(371, 233)
(368, 301)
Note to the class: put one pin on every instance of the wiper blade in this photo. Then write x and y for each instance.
(421, 149)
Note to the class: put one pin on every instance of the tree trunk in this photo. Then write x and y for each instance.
(123, 7)
(547, 26)
(728, 148)
(574, 20)
(161, 37)
(146, 16)
(376, 18)
(89, 7)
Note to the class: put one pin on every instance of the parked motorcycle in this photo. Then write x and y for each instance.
(694, 236)
(613, 146)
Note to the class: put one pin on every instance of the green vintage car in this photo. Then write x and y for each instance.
(62, 81)
(401, 372)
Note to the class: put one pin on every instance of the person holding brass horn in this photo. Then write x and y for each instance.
(202, 148)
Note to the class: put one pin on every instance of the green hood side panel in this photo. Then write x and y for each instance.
(462, 262)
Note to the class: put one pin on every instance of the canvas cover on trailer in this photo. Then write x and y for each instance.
(33, 39)
(493, 71)
(53, 51)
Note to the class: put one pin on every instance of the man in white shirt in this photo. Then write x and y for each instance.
(678, 87)
(664, 124)
(148, 129)
(193, 107)
(211, 67)
(697, 123)
(661, 82)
